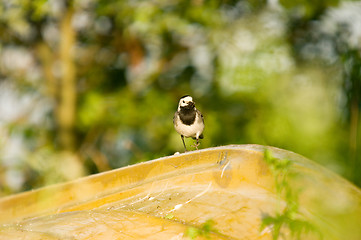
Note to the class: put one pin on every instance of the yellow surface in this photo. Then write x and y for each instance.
(164, 198)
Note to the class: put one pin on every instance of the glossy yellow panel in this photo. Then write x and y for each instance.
(216, 193)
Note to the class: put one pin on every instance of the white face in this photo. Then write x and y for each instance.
(184, 101)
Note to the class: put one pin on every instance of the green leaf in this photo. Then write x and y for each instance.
(192, 232)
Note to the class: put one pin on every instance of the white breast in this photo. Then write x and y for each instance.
(194, 130)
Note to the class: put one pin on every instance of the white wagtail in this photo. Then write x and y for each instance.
(188, 121)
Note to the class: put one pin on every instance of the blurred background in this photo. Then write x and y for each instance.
(91, 85)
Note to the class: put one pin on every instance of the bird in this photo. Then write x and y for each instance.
(188, 121)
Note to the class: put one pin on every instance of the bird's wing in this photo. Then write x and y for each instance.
(200, 114)
(174, 118)
(201, 119)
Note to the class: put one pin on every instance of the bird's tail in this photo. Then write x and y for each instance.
(200, 137)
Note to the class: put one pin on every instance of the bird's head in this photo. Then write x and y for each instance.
(186, 102)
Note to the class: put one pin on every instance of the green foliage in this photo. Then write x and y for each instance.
(132, 60)
(204, 231)
(308, 8)
(40, 9)
(169, 216)
(288, 217)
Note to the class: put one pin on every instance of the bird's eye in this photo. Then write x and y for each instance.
(183, 101)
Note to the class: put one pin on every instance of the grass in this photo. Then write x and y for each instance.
(287, 217)
(204, 231)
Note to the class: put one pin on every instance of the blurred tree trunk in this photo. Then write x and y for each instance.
(66, 96)
(63, 89)
(353, 78)
(354, 122)
(65, 112)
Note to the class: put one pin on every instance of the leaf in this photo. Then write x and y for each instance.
(192, 232)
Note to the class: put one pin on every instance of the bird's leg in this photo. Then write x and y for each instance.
(185, 148)
(197, 144)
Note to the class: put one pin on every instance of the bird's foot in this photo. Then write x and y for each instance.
(196, 145)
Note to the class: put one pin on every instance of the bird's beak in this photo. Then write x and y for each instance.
(191, 104)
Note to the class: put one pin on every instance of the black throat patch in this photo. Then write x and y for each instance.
(187, 116)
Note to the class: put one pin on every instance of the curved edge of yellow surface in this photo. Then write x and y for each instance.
(60, 197)
(229, 185)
